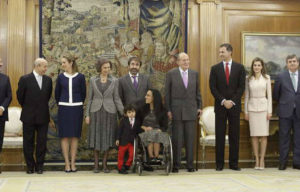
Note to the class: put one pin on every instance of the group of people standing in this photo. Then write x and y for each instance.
(145, 114)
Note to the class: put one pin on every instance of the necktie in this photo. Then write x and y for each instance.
(294, 81)
(185, 78)
(227, 73)
(135, 83)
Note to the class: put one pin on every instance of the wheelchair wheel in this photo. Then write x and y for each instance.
(168, 168)
(170, 155)
(139, 169)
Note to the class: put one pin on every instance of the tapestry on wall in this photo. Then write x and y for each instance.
(153, 30)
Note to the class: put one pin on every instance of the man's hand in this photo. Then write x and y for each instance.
(228, 104)
(1, 111)
(170, 115)
(199, 113)
(117, 142)
(87, 120)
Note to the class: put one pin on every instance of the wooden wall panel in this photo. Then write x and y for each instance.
(223, 21)
(16, 42)
(19, 38)
(3, 33)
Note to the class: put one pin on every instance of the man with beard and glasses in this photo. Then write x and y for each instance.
(134, 86)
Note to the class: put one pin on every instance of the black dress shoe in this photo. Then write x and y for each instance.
(235, 168)
(282, 166)
(40, 171)
(296, 166)
(191, 170)
(29, 171)
(175, 170)
(68, 171)
(123, 171)
(73, 170)
(126, 167)
(219, 168)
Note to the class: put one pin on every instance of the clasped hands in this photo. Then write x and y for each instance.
(228, 104)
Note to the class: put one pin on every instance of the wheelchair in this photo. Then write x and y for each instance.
(140, 157)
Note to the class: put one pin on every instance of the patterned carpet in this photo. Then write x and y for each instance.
(208, 180)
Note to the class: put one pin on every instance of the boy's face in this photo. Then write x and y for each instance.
(130, 114)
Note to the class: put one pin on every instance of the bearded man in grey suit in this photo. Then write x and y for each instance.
(133, 86)
(183, 103)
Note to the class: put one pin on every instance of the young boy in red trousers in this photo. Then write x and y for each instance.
(128, 129)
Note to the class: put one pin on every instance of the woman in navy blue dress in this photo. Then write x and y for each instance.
(70, 92)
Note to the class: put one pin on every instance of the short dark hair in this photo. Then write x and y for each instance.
(227, 46)
(100, 62)
(134, 59)
(129, 107)
(292, 56)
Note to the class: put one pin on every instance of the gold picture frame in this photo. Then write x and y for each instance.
(271, 47)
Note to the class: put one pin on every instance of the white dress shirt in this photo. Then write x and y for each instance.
(131, 77)
(229, 66)
(38, 78)
(181, 71)
(296, 78)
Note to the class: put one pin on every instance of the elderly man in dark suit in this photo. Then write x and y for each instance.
(227, 84)
(287, 93)
(34, 92)
(183, 103)
(133, 86)
(5, 99)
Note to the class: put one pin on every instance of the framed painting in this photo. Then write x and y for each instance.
(273, 48)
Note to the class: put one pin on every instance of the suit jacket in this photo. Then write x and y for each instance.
(110, 100)
(34, 101)
(233, 91)
(5, 95)
(182, 102)
(128, 94)
(258, 94)
(126, 133)
(286, 96)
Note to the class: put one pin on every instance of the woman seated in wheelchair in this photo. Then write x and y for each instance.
(154, 124)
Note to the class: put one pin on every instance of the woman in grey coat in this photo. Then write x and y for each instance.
(101, 112)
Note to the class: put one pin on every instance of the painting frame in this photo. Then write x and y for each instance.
(271, 47)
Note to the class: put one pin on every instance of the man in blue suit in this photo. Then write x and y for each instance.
(287, 94)
(5, 99)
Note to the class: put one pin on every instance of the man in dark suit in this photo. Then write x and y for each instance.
(133, 86)
(227, 84)
(287, 94)
(5, 99)
(34, 92)
(183, 103)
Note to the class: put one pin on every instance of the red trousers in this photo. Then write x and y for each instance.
(122, 151)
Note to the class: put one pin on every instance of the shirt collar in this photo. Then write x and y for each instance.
(70, 76)
(132, 75)
(36, 74)
(296, 72)
(229, 62)
(181, 70)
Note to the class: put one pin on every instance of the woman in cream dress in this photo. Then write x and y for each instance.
(258, 108)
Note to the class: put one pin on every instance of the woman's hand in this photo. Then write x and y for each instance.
(87, 120)
(246, 116)
(269, 115)
(149, 128)
(159, 130)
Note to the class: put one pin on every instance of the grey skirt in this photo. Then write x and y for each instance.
(154, 136)
(102, 130)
